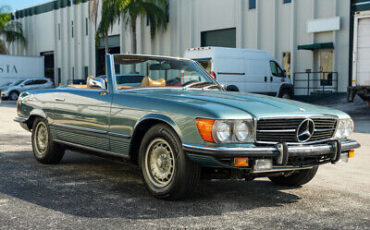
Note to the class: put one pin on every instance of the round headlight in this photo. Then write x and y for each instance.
(222, 131)
(348, 127)
(242, 131)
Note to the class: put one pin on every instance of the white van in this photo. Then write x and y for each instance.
(244, 70)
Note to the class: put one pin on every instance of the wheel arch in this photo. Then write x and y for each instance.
(142, 126)
(14, 90)
(35, 113)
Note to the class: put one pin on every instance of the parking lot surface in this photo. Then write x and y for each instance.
(88, 192)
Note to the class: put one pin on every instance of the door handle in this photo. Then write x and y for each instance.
(271, 79)
(60, 99)
(265, 79)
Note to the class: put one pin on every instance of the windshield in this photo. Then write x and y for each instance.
(143, 71)
(17, 83)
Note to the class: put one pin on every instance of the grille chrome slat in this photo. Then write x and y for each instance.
(284, 130)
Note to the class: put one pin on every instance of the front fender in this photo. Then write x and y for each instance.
(162, 118)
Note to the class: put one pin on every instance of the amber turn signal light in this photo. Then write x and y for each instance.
(205, 128)
(241, 162)
(351, 153)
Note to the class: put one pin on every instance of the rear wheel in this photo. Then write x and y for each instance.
(167, 172)
(296, 178)
(43, 146)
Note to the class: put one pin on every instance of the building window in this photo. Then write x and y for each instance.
(59, 31)
(87, 26)
(147, 21)
(59, 76)
(252, 4)
(86, 72)
(287, 1)
(72, 29)
(168, 11)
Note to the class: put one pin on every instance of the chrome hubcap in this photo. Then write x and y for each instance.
(41, 138)
(159, 162)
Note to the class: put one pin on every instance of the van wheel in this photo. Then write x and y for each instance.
(44, 148)
(232, 88)
(286, 94)
(297, 178)
(13, 95)
(167, 172)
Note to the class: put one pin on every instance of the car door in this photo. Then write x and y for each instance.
(277, 77)
(28, 85)
(81, 116)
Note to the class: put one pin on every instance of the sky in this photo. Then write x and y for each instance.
(21, 4)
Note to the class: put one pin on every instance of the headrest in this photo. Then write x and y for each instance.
(148, 82)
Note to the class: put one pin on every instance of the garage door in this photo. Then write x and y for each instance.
(222, 38)
(363, 52)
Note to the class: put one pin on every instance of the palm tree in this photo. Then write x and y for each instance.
(110, 15)
(10, 31)
(154, 10)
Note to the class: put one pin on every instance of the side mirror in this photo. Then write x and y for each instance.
(98, 83)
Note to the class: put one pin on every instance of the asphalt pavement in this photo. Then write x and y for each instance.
(88, 192)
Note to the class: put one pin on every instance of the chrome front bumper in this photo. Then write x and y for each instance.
(273, 151)
(280, 153)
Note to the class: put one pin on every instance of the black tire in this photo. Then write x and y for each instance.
(51, 152)
(286, 94)
(185, 173)
(13, 95)
(298, 178)
(232, 88)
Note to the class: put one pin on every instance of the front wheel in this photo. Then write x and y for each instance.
(44, 148)
(296, 178)
(167, 172)
(13, 95)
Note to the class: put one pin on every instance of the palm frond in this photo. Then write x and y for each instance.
(157, 17)
(13, 32)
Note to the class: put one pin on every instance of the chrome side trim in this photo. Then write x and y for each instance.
(20, 119)
(78, 128)
(92, 149)
(114, 134)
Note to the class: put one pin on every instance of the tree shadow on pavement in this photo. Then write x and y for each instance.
(88, 186)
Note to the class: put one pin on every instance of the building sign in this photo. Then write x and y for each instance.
(10, 69)
(323, 25)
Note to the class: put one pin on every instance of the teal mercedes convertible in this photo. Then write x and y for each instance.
(179, 125)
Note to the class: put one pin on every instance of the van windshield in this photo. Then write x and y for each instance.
(137, 71)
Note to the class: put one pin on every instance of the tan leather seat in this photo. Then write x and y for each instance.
(148, 82)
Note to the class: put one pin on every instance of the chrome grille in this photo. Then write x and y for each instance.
(284, 130)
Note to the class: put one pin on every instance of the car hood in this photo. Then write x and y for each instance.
(255, 104)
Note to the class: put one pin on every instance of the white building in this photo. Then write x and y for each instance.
(304, 35)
